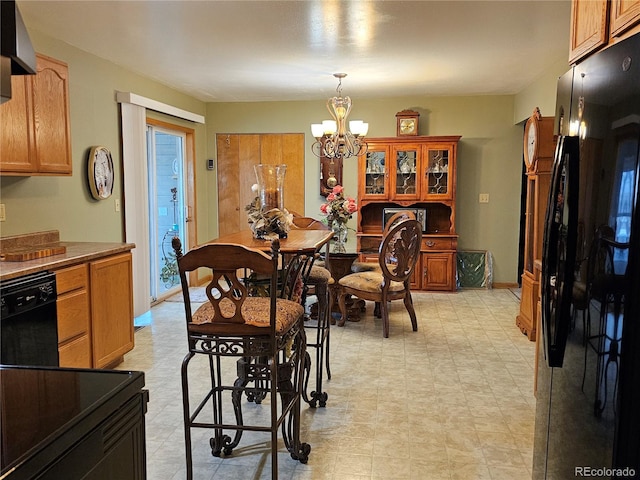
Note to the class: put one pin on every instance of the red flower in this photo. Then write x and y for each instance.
(338, 207)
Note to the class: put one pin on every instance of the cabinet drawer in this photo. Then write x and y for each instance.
(71, 278)
(76, 353)
(73, 315)
(437, 244)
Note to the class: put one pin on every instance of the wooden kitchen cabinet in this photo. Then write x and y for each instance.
(417, 172)
(95, 312)
(598, 23)
(74, 328)
(35, 127)
(111, 309)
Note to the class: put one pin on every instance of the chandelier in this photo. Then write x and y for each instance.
(333, 140)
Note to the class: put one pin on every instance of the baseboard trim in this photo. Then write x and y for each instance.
(505, 285)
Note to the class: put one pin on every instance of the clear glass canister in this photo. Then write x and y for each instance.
(270, 185)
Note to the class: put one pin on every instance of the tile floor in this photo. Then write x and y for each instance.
(451, 401)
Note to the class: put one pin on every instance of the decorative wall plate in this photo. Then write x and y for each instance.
(100, 172)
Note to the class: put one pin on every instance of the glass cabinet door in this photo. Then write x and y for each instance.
(405, 177)
(438, 174)
(375, 174)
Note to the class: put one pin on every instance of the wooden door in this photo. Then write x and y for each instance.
(111, 309)
(16, 128)
(438, 271)
(404, 172)
(237, 154)
(589, 27)
(373, 174)
(624, 15)
(52, 133)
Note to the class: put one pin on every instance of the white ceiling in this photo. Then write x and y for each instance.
(229, 51)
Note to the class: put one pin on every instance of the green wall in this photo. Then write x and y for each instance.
(65, 203)
(489, 156)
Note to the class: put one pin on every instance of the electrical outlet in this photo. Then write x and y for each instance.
(484, 198)
(3, 213)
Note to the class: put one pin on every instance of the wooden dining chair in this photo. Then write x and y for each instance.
(395, 218)
(265, 335)
(399, 252)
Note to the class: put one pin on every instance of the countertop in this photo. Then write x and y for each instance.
(45, 410)
(77, 252)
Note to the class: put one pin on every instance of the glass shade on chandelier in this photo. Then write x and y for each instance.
(333, 140)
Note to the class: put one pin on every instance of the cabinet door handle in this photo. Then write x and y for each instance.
(430, 243)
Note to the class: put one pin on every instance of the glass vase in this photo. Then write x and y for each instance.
(270, 186)
(339, 237)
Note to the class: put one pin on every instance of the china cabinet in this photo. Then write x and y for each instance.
(416, 172)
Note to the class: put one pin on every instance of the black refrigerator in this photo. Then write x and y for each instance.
(588, 377)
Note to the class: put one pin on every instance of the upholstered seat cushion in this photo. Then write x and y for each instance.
(358, 267)
(255, 311)
(318, 274)
(368, 282)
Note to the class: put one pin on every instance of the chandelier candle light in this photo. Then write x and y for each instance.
(333, 140)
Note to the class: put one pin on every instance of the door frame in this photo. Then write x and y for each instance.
(190, 179)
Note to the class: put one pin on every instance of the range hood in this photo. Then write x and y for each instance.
(17, 54)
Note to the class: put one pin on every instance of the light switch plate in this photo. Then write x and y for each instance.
(3, 213)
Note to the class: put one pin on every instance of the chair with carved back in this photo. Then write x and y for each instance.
(398, 254)
(316, 282)
(266, 337)
(393, 219)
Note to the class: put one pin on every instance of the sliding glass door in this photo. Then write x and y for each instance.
(167, 207)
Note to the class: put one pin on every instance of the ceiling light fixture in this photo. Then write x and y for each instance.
(333, 140)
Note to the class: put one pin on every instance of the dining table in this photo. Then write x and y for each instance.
(297, 242)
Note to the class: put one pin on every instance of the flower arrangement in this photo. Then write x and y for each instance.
(268, 224)
(338, 207)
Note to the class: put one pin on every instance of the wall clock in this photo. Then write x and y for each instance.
(407, 123)
(538, 142)
(100, 173)
(531, 136)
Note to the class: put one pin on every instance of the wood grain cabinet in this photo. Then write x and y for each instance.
(34, 124)
(95, 312)
(420, 172)
(74, 326)
(111, 309)
(597, 23)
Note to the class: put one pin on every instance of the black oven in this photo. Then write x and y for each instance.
(28, 321)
